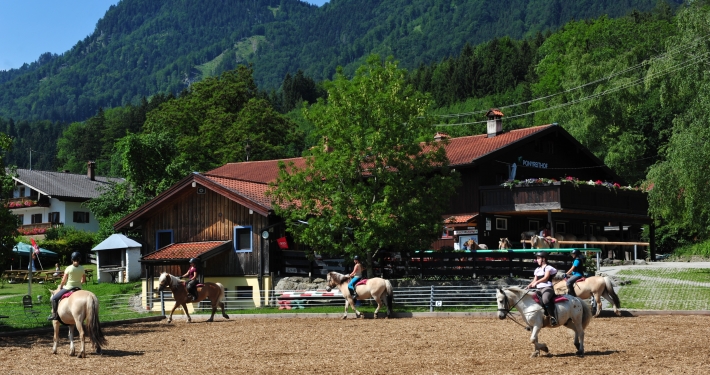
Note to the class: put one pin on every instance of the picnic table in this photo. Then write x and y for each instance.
(111, 270)
(15, 276)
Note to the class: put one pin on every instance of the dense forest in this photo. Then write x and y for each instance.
(145, 47)
(632, 89)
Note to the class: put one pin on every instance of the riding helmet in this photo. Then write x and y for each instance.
(541, 254)
(576, 252)
(76, 256)
(356, 257)
(193, 260)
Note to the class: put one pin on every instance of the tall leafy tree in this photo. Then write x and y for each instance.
(370, 184)
(8, 221)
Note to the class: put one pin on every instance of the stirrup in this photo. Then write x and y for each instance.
(553, 321)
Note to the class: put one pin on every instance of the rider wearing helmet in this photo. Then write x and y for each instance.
(355, 276)
(543, 282)
(575, 272)
(192, 283)
(74, 276)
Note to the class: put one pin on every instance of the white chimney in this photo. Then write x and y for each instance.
(495, 122)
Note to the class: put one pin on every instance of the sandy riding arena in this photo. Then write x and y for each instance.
(629, 345)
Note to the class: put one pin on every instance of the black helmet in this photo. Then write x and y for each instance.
(76, 256)
(193, 260)
(541, 254)
(577, 252)
(356, 257)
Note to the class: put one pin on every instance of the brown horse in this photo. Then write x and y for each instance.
(377, 288)
(597, 287)
(504, 244)
(213, 291)
(79, 306)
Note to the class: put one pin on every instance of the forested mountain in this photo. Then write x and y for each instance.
(144, 47)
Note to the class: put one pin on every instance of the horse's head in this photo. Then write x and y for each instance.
(503, 303)
(504, 244)
(330, 280)
(164, 281)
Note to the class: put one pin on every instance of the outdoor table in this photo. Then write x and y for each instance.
(113, 271)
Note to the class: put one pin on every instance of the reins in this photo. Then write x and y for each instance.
(507, 310)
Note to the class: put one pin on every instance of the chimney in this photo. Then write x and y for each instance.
(495, 122)
(439, 136)
(91, 170)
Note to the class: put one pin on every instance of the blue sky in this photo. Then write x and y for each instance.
(29, 28)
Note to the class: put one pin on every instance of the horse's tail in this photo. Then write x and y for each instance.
(586, 314)
(92, 319)
(220, 297)
(610, 288)
(390, 294)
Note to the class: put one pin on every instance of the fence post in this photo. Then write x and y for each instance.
(635, 253)
(431, 299)
(162, 303)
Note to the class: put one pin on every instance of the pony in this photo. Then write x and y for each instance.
(538, 242)
(213, 291)
(597, 287)
(473, 245)
(526, 236)
(79, 306)
(572, 313)
(504, 244)
(378, 288)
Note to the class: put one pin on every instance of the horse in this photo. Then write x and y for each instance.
(504, 244)
(79, 306)
(597, 287)
(475, 245)
(376, 288)
(565, 237)
(213, 291)
(526, 236)
(572, 313)
(538, 242)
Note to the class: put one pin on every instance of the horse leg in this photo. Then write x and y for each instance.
(378, 299)
(598, 300)
(55, 323)
(71, 340)
(184, 307)
(345, 314)
(579, 338)
(608, 297)
(80, 328)
(170, 318)
(533, 339)
(224, 315)
(214, 310)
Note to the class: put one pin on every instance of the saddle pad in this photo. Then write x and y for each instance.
(361, 282)
(69, 293)
(580, 279)
(559, 298)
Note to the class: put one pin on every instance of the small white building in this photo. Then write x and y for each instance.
(117, 259)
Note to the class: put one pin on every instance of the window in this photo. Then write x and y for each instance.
(163, 238)
(54, 217)
(501, 223)
(22, 191)
(242, 239)
(534, 225)
(81, 217)
(560, 227)
(21, 219)
(36, 218)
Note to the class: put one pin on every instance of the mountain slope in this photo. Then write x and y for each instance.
(144, 47)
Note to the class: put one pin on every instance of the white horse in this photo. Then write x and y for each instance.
(572, 313)
(538, 242)
(378, 288)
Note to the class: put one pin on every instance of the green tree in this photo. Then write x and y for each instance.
(370, 184)
(8, 221)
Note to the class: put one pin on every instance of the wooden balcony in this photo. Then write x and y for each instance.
(36, 228)
(563, 197)
(26, 202)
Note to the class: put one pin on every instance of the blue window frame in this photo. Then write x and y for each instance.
(243, 239)
(163, 238)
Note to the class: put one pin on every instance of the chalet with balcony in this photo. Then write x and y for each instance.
(43, 199)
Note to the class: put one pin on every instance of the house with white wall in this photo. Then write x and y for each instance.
(43, 199)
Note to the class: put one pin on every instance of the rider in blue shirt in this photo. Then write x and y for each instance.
(355, 276)
(575, 272)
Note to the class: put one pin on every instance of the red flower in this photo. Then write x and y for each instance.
(598, 182)
(569, 178)
(616, 185)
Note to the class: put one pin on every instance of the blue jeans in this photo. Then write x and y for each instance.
(570, 284)
(351, 285)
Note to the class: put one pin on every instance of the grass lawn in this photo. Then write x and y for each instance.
(669, 289)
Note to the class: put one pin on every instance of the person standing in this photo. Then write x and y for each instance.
(575, 272)
(543, 282)
(74, 277)
(355, 276)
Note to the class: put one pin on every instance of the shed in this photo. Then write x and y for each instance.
(115, 255)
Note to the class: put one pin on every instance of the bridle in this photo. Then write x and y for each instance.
(508, 307)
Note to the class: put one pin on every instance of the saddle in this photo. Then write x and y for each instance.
(558, 298)
(69, 293)
(196, 285)
(580, 279)
(361, 282)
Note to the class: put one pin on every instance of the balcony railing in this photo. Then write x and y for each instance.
(36, 228)
(25, 202)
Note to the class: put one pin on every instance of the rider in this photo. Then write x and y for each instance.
(543, 282)
(546, 234)
(192, 283)
(355, 276)
(575, 272)
(73, 277)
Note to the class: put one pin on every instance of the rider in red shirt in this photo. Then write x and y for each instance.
(191, 284)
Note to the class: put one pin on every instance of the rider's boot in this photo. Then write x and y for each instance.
(571, 292)
(551, 312)
(353, 294)
(53, 316)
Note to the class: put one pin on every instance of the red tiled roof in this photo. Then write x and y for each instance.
(464, 150)
(459, 219)
(250, 190)
(263, 171)
(184, 250)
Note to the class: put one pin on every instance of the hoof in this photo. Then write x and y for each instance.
(225, 316)
(535, 354)
(618, 313)
(209, 320)
(579, 353)
(345, 317)
(98, 350)
(170, 321)
(545, 349)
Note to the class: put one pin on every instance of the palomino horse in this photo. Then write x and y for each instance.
(572, 313)
(79, 306)
(538, 242)
(376, 288)
(473, 245)
(213, 291)
(597, 287)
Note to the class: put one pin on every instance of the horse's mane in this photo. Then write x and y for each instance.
(518, 290)
(174, 281)
(339, 278)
